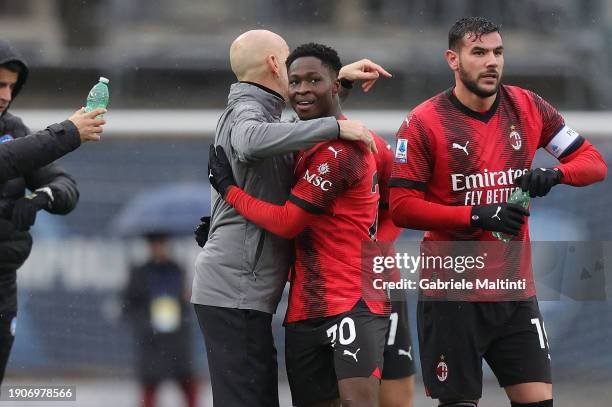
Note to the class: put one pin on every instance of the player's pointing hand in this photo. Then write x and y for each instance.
(363, 70)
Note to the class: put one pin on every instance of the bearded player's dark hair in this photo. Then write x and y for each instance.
(475, 26)
(327, 55)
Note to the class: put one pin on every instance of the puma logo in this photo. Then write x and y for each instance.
(460, 147)
(496, 214)
(402, 352)
(349, 353)
(330, 148)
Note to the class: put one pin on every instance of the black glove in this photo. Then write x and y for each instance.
(219, 170)
(539, 181)
(24, 211)
(201, 231)
(504, 217)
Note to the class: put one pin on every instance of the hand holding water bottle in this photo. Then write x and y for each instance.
(89, 124)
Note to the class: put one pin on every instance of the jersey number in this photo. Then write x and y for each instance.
(347, 332)
(392, 328)
(541, 332)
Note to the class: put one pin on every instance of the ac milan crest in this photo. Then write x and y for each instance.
(442, 371)
(515, 138)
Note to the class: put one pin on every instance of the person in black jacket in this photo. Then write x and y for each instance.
(21, 158)
(157, 306)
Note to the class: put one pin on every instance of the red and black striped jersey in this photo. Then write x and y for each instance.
(336, 181)
(457, 156)
(386, 230)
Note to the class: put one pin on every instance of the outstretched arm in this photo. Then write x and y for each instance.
(284, 220)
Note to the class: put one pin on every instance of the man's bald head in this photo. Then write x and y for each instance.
(257, 54)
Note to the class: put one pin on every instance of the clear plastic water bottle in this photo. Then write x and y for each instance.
(520, 198)
(98, 96)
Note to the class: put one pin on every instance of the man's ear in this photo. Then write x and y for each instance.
(452, 58)
(273, 65)
(336, 87)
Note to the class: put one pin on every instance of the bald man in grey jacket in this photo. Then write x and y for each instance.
(242, 269)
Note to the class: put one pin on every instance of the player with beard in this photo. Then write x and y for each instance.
(336, 322)
(459, 155)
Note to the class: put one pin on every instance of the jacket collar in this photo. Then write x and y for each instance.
(271, 100)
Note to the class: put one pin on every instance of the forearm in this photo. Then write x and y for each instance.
(286, 221)
(583, 167)
(258, 140)
(26, 154)
(410, 210)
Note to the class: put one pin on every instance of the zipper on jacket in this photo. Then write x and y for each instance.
(260, 244)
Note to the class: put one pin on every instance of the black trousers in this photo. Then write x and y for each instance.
(6, 342)
(241, 356)
(8, 312)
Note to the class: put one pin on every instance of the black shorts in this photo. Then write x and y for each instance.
(455, 336)
(321, 351)
(398, 355)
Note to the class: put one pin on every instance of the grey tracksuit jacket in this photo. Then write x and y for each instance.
(241, 265)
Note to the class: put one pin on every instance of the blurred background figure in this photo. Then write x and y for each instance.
(156, 304)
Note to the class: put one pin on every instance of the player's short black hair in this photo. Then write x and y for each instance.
(474, 25)
(327, 55)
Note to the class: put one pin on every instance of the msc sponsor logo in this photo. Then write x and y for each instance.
(317, 181)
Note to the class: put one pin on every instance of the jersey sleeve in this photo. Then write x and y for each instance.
(557, 138)
(414, 158)
(384, 165)
(330, 171)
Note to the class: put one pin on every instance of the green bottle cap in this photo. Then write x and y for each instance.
(103, 79)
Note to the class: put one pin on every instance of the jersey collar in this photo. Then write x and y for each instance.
(483, 117)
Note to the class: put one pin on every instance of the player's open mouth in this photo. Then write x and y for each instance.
(304, 105)
(489, 76)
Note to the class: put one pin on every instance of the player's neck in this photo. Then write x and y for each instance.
(337, 111)
(471, 100)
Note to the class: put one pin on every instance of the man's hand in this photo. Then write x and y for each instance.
(539, 181)
(219, 170)
(352, 130)
(503, 217)
(25, 209)
(89, 127)
(201, 231)
(363, 70)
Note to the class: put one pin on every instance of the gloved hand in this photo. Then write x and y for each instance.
(24, 211)
(504, 217)
(539, 181)
(201, 231)
(219, 170)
